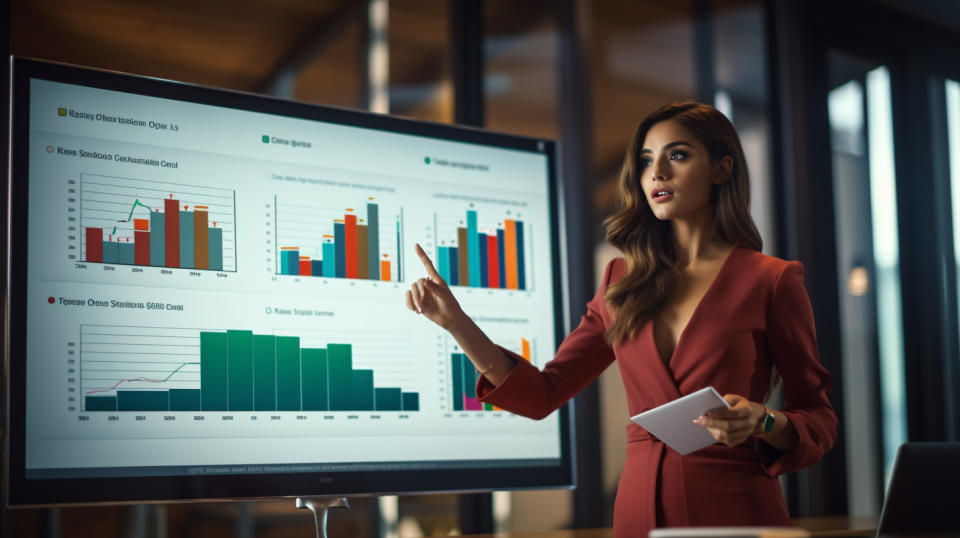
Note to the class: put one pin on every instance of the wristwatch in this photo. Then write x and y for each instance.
(768, 421)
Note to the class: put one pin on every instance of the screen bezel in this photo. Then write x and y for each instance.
(36, 492)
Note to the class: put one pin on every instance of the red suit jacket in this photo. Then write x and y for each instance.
(754, 316)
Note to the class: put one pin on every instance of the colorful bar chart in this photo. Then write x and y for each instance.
(484, 258)
(239, 370)
(349, 244)
(464, 381)
(130, 222)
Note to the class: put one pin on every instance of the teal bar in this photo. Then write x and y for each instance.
(240, 370)
(111, 252)
(411, 401)
(264, 372)
(143, 400)
(313, 372)
(340, 357)
(470, 377)
(288, 373)
(126, 253)
(373, 241)
(216, 249)
(330, 260)
(185, 400)
(157, 231)
(473, 248)
(388, 399)
(457, 382)
(186, 239)
(362, 397)
(100, 403)
(213, 371)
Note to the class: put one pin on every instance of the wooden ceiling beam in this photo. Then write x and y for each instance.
(279, 80)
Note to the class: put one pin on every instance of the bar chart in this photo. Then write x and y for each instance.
(489, 254)
(129, 221)
(362, 241)
(135, 368)
(463, 378)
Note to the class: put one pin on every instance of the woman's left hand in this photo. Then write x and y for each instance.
(734, 425)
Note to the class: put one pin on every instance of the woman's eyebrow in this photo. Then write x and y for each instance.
(668, 146)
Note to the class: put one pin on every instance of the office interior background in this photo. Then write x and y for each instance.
(849, 113)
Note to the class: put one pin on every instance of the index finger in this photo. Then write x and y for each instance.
(426, 261)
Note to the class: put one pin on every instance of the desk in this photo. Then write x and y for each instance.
(833, 526)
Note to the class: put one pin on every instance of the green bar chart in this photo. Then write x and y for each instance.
(232, 371)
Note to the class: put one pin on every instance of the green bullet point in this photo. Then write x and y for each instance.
(426, 160)
(266, 139)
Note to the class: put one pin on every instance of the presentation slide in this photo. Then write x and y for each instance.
(217, 291)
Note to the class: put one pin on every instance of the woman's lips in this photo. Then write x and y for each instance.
(662, 195)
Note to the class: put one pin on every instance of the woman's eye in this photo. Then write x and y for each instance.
(645, 163)
(678, 155)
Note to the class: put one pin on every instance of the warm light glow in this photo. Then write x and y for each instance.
(858, 283)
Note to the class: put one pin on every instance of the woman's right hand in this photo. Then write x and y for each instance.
(432, 297)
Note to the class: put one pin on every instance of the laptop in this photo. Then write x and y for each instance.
(923, 498)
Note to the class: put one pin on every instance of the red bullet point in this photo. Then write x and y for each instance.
(51, 300)
(49, 149)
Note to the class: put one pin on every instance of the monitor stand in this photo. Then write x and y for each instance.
(321, 505)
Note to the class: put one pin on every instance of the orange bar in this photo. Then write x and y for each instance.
(510, 253)
(525, 348)
(289, 248)
(385, 271)
(142, 225)
(201, 238)
(306, 268)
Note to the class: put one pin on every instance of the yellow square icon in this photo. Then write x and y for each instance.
(61, 111)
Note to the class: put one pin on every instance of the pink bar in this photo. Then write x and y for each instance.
(472, 404)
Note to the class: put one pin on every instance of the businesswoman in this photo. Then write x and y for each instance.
(692, 303)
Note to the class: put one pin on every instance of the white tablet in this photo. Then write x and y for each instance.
(673, 424)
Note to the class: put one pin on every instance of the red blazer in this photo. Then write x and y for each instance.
(755, 315)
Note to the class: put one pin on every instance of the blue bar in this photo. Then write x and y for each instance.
(503, 260)
(186, 239)
(443, 261)
(215, 248)
(329, 260)
(291, 259)
(340, 240)
(126, 253)
(316, 267)
(521, 267)
(454, 266)
(157, 246)
(473, 249)
(484, 265)
(373, 241)
(110, 252)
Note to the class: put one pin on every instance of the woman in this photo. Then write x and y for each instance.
(692, 303)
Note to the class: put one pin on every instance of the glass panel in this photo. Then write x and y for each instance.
(953, 145)
(864, 191)
(883, 197)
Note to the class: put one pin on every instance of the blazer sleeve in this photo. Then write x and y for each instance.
(792, 342)
(581, 358)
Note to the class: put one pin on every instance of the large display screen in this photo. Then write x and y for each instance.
(211, 285)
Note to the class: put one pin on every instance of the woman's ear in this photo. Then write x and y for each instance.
(723, 170)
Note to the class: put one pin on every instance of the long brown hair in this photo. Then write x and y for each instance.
(647, 243)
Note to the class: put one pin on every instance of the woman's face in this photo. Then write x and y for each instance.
(676, 173)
